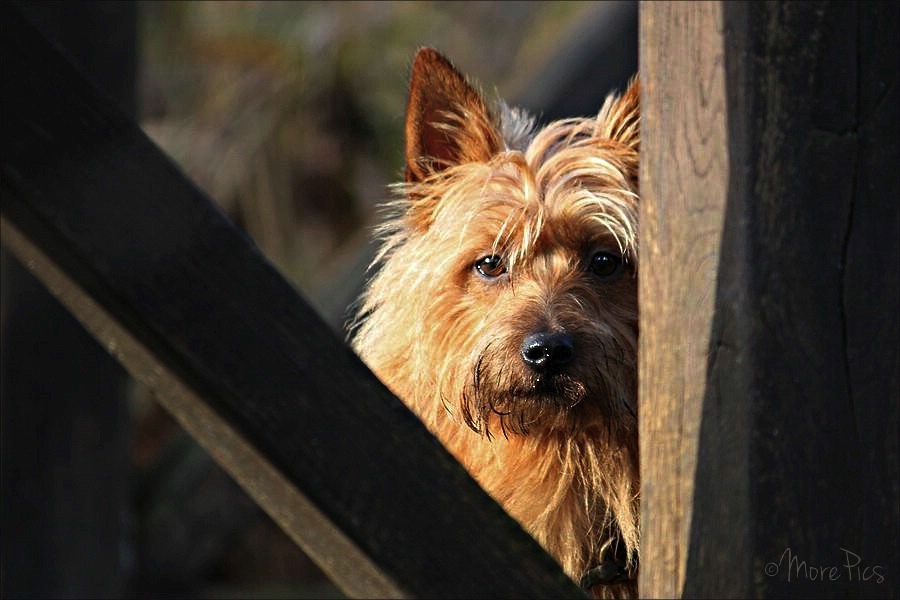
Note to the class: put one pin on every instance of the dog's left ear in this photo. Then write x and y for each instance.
(620, 118)
(447, 120)
(619, 121)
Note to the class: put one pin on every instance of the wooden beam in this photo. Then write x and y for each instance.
(769, 322)
(175, 292)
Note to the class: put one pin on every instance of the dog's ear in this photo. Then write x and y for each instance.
(620, 118)
(619, 121)
(447, 121)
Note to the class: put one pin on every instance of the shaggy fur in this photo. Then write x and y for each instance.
(558, 450)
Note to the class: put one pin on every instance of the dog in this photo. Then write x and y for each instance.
(504, 310)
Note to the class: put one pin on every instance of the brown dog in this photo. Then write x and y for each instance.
(505, 311)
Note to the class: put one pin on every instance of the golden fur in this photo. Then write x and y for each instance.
(561, 457)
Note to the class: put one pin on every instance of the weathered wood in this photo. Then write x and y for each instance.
(769, 358)
(189, 306)
(684, 178)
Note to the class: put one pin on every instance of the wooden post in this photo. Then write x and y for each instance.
(769, 292)
(684, 145)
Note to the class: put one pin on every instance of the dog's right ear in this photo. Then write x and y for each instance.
(447, 121)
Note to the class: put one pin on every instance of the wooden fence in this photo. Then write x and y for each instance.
(769, 349)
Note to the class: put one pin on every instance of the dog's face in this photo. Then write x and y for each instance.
(545, 314)
(513, 260)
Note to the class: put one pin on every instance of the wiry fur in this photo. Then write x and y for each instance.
(560, 455)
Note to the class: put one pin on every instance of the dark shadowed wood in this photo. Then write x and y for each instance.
(776, 474)
(190, 307)
(64, 464)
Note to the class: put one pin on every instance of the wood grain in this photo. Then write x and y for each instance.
(192, 309)
(684, 180)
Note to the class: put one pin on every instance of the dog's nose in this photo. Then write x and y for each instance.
(547, 351)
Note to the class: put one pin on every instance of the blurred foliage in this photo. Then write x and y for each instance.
(290, 114)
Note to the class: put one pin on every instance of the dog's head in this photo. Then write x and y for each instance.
(508, 285)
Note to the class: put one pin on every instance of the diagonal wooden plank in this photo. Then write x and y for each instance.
(194, 311)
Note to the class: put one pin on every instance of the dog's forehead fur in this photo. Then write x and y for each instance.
(517, 126)
(566, 186)
(574, 179)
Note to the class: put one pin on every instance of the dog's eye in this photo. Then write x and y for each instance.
(605, 264)
(490, 267)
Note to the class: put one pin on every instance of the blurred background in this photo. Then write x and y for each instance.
(290, 116)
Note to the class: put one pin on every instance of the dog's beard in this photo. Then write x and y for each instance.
(502, 394)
